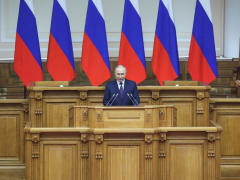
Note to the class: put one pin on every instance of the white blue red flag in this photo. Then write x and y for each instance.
(165, 61)
(202, 64)
(60, 62)
(27, 58)
(131, 53)
(95, 59)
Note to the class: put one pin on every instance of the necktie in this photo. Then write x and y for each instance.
(121, 89)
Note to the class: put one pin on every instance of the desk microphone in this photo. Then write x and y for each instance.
(114, 99)
(110, 99)
(130, 99)
(136, 102)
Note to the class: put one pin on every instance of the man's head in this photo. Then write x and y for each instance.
(120, 73)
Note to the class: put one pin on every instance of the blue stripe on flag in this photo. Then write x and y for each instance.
(204, 35)
(60, 29)
(27, 29)
(166, 32)
(132, 28)
(95, 29)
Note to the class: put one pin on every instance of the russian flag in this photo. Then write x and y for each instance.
(131, 53)
(95, 59)
(165, 61)
(202, 64)
(60, 62)
(27, 58)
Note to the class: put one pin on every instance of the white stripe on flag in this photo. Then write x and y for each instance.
(168, 5)
(98, 4)
(207, 7)
(30, 5)
(135, 5)
(63, 5)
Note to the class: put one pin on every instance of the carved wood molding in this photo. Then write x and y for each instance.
(148, 139)
(162, 137)
(83, 95)
(99, 155)
(99, 139)
(38, 96)
(211, 145)
(99, 115)
(200, 107)
(84, 114)
(162, 141)
(155, 95)
(148, 115)
(35, 145)
(84, 138)
(200, 95)
(84, 154)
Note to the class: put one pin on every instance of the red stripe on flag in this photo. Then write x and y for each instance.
(93, 64)
(161, 63)
(128, 58)
(58, 65)
(198, 66)
(25, 64)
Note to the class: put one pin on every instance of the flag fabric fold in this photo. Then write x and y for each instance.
(165, 60)
(131, 53)
(202, 64)
(60, 61)
(95, 58)
(27, 58)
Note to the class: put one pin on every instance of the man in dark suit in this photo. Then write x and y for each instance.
(121, 92)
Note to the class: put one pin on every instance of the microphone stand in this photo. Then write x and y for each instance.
(110, 99)
(136, 102)
(114, 99)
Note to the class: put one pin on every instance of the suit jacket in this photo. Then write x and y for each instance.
(112, 95)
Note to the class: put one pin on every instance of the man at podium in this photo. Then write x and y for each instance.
(121, 91)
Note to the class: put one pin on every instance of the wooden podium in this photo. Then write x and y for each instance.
(122, 143)
(147, 116)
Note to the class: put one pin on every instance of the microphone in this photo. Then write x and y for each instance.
(136, 102)
(114, 99)
(107, 104)
(130, 99)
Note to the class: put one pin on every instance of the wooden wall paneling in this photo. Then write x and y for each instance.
(189, 153)
(59, 160)
(95, 96)
(185, 109)
(192, 157)
(56, 112)
(13, 117)
(57, 153)
(192, 105)
(148, 97)
(13, 88)
(226, 112)
(127, 159)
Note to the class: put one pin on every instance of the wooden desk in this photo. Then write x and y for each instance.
(48, 103)
(165, 153)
